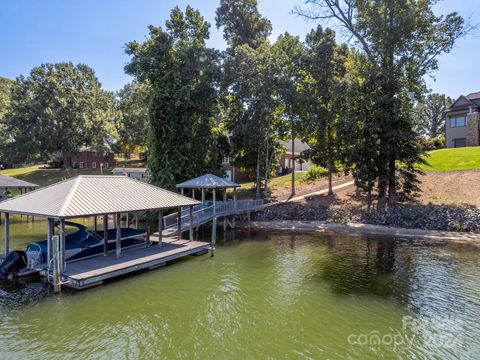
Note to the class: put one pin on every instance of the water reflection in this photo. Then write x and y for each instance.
(263, 295)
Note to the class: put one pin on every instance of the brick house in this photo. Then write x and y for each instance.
(88, 158)
(462, 122)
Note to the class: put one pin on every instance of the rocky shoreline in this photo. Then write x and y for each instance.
(424, 217)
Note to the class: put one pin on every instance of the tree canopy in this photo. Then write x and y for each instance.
(182, 74)
(55, 110)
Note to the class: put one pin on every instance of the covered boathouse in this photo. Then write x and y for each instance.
(102, 196)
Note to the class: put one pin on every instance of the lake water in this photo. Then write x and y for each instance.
(263, 295)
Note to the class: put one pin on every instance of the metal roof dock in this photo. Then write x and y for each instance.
(104, 195)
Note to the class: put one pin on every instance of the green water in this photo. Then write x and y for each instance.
(263, 295)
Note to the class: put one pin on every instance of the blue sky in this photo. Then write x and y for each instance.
(94, 32)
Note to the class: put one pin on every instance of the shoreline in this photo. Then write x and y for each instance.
(365, 229)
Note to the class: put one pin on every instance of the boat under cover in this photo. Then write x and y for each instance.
(84, 242)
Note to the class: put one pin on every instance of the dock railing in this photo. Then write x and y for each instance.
(204, 213)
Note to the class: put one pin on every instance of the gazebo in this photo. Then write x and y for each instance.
(210, 182)
(93, 196)
(7, 182)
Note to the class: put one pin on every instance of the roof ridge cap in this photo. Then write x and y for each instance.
(77, 180)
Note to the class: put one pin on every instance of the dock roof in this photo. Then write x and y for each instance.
(207, 181)
(11, 182)
(94, 195)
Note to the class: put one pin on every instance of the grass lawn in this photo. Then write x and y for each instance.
(44, 177)
(248, 189)
(466, 158)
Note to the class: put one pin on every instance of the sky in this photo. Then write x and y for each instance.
(94, 32)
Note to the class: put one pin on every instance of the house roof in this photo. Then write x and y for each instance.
(121, 170)
(11, 182)
(207, 181)
(94, 195)
(299, 146)
(465, 102)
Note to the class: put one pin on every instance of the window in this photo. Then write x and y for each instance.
(80, 165)
(458, 121)
(94, 165)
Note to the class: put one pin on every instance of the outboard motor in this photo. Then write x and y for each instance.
(14, 262)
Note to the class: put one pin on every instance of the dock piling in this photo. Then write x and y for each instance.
(7, 233)
(56, 264)
(214, 235)
(105, 235)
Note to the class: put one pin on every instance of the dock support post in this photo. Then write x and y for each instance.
(7, 233)
(225, 209)
(95, 225)
(136, 221)
(191, 222)
(49, 241)
(181, 191)
(147, 228)
(214, 235)
(203, 196)
(127, 220)
(118, 245)
(160, 228)
(63, 262)
(214, 202)
(179, 224)
(235, 199)
(105, 235)
(193, 194)
(56, 264)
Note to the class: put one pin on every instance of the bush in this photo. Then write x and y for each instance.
(432, 143)
(315, 172)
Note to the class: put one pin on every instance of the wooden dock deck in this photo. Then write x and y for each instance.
(93, 271)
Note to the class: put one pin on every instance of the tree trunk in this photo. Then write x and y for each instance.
(369, 200)
(392, 183)
(265, 194)
(329, 160)
(257, 193)
(330, 171)
(292, 193)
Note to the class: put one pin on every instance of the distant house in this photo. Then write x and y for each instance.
(134, 173)
(287, 161)
(232, 172)
(87, 158)
(462, 122)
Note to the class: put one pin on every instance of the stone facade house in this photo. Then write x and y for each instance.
(462, 122)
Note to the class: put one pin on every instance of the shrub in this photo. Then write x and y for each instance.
(315, 172)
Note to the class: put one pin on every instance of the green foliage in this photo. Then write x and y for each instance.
(242, 23)
(315, 172)
(399, 42)
(429, 144)
(5, 89)
(182, 75)
(430, 115)
(55, 110)
(132, 122)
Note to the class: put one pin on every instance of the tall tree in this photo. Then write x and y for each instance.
(401, 41)
(5, 95)
(290, 71)
(325, 66)
(132, 121)
(430, 114)
(242, 23)
(246, 31)
(182, 74)
(57, 109)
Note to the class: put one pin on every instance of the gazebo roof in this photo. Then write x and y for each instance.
(207, 181)
(11, 182)
(94, 195)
